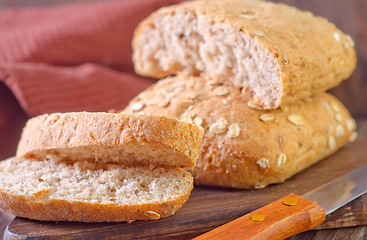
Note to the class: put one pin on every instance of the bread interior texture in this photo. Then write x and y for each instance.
(86, 181)
(189, 42)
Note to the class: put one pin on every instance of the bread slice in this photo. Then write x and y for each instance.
(277, 53)
(108, 137)
(245, 147)
(87, 191)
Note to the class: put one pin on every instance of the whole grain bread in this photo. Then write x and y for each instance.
(87, 191)
(107, 137)
(245, 147)
(277, 53)
(100, 167)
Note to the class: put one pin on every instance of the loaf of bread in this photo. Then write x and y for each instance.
(100, 167)
(107, 137)
(277, 53)
(245, 147)
(87, 191)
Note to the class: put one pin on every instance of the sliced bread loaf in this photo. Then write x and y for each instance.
(107, 137)
(100, 167)
(245, 147)
(274, 51)
(87, 191)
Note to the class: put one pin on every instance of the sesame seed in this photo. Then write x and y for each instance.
(351, 124)
(198, 121)
(234, 130)
(331, 142)
(263, 162)
(266, 117)
(353, 137)
(220, 91)
(295, 119)
(137, 106)
(282, 158)
(336, 36)
(339, 131)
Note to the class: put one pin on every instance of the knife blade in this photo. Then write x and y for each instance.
(293, 214)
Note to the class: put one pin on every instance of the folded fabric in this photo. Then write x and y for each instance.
(71, 57)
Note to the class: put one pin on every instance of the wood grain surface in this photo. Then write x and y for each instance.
(210, 207)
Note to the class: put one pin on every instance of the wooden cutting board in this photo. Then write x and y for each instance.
(210, 207)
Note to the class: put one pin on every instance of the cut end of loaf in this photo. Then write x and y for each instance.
(107, 137)
(184, 41)
(90, 192)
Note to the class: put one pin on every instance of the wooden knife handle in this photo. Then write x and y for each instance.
(278, 220)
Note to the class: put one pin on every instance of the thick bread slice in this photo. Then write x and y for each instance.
(276, 52)
(108, 137)
(244, 147)
(90, 192)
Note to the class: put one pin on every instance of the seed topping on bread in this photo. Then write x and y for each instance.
(234, 130)
(282, 158)
(266, 117)
(331, 142)
(295, 119)
(263, 162)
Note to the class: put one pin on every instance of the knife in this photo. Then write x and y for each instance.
(293, 214)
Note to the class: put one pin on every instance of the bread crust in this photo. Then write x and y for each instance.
(311, 53)
(34, 206)
(305, 131)
(99, 136)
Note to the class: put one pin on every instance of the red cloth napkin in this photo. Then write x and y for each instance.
(74, 57)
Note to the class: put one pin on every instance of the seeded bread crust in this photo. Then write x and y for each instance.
(244, 147)
(108, 137)
(41, 204)
(308, 54)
